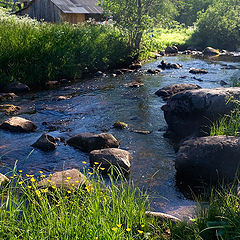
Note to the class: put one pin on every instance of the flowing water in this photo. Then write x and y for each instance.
(95, 105)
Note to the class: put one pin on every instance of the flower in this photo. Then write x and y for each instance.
(41, 172)
(114, 228)
(27, 175)
(142, 225)
(140, 231)
(20, 183)
(43, 176)
(102, 168)
(38, 193)
(84, 162)
(32, 179)
(128, 229)
(76, 181)
(31, 175)
(29, 187)
(54, 187)
(68, 178)
(89, 188)
(73, 185)
(48, 180)
(68, 191)
(96, 163)
(119, 225)
(20, 171)
(50, 175)
(90, 173)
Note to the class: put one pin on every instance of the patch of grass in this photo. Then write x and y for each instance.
(158, 39)
(98, 211)
(34, 52)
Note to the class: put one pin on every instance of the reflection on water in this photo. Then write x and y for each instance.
(99, 102)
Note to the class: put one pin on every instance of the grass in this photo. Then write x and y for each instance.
(158, 39)
(34, 52)
(229, 124)
(100, 210)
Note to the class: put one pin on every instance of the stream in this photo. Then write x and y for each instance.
(97, 103)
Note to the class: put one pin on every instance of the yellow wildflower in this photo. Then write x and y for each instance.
(20, 183)
(32, 179)
(90, 173)
(27, 175)
(48, 180)
(41, 172)
(102, 168)
(29, 187)
(54, 187)
(20, 171)
(114, 228)
(140, 231)
(89, 188)
(142, 225)
(73, 185)
(43, 176)
(68, 178)
(96, 163)
(31, 175)
(76, 181)
(50, 175)
(68, 191)
(128, 229)
(84, 162)
(38, 193)
(119, 225)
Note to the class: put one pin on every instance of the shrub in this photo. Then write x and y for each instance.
(219, 26)
(34, 52)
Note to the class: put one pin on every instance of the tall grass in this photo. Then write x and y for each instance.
(98, 211)
(34, 52)
(158, 39)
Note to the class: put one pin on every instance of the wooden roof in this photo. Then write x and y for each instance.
(74, 6)
(78, 6)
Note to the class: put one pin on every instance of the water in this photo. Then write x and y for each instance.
(99, 102)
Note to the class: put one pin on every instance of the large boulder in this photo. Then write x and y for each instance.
(6, 96)
(16, 87)
(171, 50)
(168, 91)
(88, 141)
(209, 51)
(192, 112)
(9, 109)
(68, 179)
(208, 159)
(105, 158)
(18, 124)
(198, 71)
(45, 143)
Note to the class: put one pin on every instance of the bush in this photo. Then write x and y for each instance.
(34, 52)
(219, 26)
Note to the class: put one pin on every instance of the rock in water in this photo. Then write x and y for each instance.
(45, 143)
(209, 51)
(198, 71)
(208, 159)
(171, 50)
(191, 112)
(120, 125)
(16, 87)
(69, 179)
(168, 91)
(105, 158)
(18, 124)
(88, 141)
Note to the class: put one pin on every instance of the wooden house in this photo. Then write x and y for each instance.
(72, 11)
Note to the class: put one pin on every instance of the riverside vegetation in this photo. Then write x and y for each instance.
(104, 211)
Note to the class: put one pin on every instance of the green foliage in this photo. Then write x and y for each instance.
(98, 211)
(34, 52)
(135, 17)
(229, 124)
(159, 38)
(219, 26)
(188, 10)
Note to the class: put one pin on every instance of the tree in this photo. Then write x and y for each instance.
(136, 16)
(219, 26)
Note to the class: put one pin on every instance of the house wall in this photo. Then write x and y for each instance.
(73, 17)
(43, 9)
